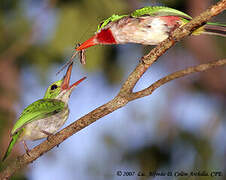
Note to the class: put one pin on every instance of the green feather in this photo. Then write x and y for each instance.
(159, 11)
(148, 10)
(216, 24)
(53, 93)
(11, 144)
(38, 110)
(113, 18)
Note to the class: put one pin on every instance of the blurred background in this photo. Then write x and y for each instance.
(180, 127)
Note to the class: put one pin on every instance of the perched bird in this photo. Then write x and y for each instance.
(45, 116)
(147, 26)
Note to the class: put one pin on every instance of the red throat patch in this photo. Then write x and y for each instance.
(105, 36)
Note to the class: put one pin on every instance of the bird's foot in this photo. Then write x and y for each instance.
(47, 133)
(26, 148)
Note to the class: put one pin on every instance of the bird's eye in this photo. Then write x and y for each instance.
(54, 86)
(101, 24)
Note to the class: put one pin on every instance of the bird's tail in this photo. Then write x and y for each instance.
(11, 144)
(212, 29)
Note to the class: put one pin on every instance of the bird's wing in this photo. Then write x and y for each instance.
(159, 11)
(11, 144)
(38, 110)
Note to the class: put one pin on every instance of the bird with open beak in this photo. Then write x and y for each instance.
(46, 116)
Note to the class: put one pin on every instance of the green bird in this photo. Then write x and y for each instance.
(148, 26)
(45, 116)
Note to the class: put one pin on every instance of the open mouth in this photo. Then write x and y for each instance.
(66, 80)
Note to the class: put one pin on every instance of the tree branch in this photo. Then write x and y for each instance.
(199, 68)
(126, 92)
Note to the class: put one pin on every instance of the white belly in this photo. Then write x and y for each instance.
(144, 30)
(52, 124)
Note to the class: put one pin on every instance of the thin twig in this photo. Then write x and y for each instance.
(199, 68)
